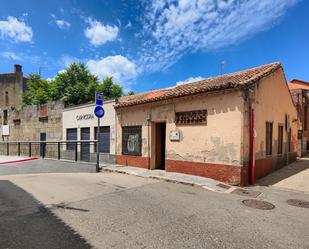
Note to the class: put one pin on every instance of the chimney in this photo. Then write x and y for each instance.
(17, 68)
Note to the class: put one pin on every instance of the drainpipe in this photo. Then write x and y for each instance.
(252, 159)
(148, 139)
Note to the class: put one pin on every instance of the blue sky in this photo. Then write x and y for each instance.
(150, 44)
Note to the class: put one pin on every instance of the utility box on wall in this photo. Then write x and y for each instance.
(5, 130)
(175, 135)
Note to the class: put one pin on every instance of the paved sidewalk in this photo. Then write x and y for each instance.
(293, 177)
(203, 182)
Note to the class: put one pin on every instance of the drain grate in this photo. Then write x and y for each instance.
(298, 203)
(221, 185)
(244, 192)
(264, 205)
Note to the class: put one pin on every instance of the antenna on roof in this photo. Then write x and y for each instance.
(222, 66)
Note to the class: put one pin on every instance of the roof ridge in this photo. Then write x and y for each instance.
(220, 82)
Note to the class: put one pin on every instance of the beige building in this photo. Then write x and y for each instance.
(300, 93)
(80, 123)
(232, 127)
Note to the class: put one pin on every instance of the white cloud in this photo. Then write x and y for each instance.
(62, 24)
(98, 34)
(15, 30)
(67, 60)
(10, 56)
(191, 79)
(173, 28)
(119, 67)
(129, 25)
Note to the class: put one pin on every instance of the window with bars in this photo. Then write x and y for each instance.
(305, 117)
(71, 135)
(5, 117)
(104, 145)
(280, 139)
(6, 98)
(269, 138)
(132, 140)
(289, 139)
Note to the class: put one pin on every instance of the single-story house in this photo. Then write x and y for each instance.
(234, 128)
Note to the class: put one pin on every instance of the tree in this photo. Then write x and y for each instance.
(37, 92)
(130, 93)
(76, 85)
(110, 89)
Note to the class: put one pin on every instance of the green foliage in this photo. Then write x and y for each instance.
(110, 89)
(38, 91)
(130, 93)
(76, 85)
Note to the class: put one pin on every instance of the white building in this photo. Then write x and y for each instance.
(80, 123)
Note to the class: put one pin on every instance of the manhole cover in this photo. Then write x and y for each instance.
(298, 203)
(244, 192)
(264, 205)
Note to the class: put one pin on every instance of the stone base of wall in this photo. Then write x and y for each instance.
(264, 166)
(226, 173)
(136, 161)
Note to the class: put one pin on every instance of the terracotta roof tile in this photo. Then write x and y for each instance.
(221, 82)
(298, 84)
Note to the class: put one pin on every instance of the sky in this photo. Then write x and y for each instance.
(151, 44)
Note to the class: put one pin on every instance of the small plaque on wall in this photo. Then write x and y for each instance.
(191, 117)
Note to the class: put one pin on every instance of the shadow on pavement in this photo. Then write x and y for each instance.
(285, 172)
(26, 223)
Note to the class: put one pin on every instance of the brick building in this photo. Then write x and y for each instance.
(232, 128)
(300, 92)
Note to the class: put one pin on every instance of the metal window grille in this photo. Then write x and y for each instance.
(289, 140)
(71, 135)
(104, 145)
(132, 140)
(280, 139)
(269, 138)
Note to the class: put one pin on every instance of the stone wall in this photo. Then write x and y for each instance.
(26, 124)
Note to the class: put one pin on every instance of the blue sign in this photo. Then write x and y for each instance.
(99, 98)
(99, 111)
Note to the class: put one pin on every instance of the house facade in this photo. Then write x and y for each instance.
(300, 92)
(232, 128)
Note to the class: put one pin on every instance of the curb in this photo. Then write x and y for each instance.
(20, 161)
(217, 190)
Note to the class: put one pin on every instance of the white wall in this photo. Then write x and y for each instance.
(69, 119)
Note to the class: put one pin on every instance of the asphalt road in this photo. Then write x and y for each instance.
(109, 210)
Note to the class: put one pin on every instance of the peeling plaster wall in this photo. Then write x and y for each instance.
(273, 101)
(220, 141)
(217, 142)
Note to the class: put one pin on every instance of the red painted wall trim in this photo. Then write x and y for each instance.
(136, 161)
(21, 160)
(226, 173)
(263, 167)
